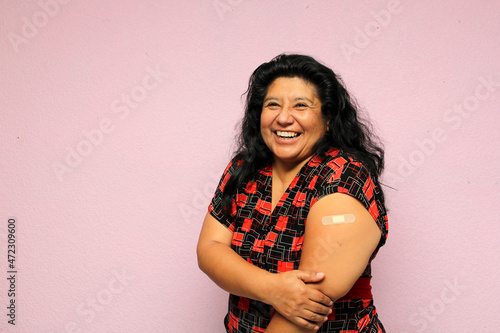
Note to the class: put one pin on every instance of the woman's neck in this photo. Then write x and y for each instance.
(284, 172)
(285, 168)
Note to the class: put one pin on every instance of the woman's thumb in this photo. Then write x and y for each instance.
(310, 276)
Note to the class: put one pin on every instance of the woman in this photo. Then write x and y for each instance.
(298, 214)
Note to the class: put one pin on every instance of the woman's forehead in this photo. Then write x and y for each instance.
(292, 86)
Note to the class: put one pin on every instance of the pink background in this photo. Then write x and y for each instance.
(118, 117)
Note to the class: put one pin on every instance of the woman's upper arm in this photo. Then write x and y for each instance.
(340, 250)
(213, 231)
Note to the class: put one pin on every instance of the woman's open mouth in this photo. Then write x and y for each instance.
(287, 135)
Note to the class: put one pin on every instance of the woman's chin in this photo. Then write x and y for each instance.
(291, 158)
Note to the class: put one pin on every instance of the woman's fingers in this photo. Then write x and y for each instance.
(312, 277)
(317, 318)
(318, 297)
(318, 309)
(317, 313)
(309, 276)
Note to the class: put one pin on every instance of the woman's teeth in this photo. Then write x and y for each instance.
(286, 135)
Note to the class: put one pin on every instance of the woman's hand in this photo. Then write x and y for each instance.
(298, 302)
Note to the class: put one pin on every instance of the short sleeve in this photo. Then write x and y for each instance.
(216, 208)
(342, 175)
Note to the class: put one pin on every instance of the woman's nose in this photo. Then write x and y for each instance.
(285, 116)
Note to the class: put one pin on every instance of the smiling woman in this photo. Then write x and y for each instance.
(303, 155)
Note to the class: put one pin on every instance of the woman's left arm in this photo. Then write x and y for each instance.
(340, 250)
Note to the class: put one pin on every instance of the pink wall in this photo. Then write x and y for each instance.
(117, 119)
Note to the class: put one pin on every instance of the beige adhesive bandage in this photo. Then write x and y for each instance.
(338, 219)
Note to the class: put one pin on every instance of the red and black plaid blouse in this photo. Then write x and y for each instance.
(272, 240)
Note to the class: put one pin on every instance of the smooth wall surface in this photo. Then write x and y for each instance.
(118, 117)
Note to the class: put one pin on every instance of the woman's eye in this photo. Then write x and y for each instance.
(272, 104)
(301, 105)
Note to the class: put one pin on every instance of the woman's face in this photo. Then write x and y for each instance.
(291, 121)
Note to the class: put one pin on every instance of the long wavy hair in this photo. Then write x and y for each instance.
(346, 129)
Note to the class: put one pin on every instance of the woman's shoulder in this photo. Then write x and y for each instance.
(234, 163)
(239, 161)
(340, 171)
(337, 160)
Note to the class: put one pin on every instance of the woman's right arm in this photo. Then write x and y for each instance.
(225, 267)
(286, 292)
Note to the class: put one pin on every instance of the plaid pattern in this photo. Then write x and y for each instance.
(272, 240)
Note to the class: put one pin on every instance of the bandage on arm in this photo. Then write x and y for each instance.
(338, 219)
